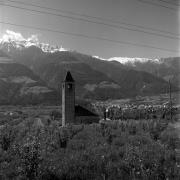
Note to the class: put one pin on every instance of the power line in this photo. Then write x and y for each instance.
(156, 4)
(90, 16)
(90, 37)
(167, 2)
(94, 22)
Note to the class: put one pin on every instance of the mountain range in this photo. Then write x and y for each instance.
(31, 74)
(166, 68)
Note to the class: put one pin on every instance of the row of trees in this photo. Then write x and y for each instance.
(118, 112)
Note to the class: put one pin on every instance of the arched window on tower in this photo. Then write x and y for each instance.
(69, 86)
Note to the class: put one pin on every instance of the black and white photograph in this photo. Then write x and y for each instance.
(89, 89)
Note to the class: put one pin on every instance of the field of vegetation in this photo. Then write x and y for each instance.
(39, 148)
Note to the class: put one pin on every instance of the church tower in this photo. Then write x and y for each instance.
(68, 100)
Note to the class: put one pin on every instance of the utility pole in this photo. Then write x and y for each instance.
(170, 99)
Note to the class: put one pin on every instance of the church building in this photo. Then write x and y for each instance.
(71, 113)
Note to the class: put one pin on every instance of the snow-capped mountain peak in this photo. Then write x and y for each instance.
(127, 60)
(17, 41)
(130, 61)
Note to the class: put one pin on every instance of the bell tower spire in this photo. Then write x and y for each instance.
(68, 99)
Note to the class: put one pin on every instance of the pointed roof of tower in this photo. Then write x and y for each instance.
(69, 77)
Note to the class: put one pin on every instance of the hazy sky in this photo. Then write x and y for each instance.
(128, 11)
